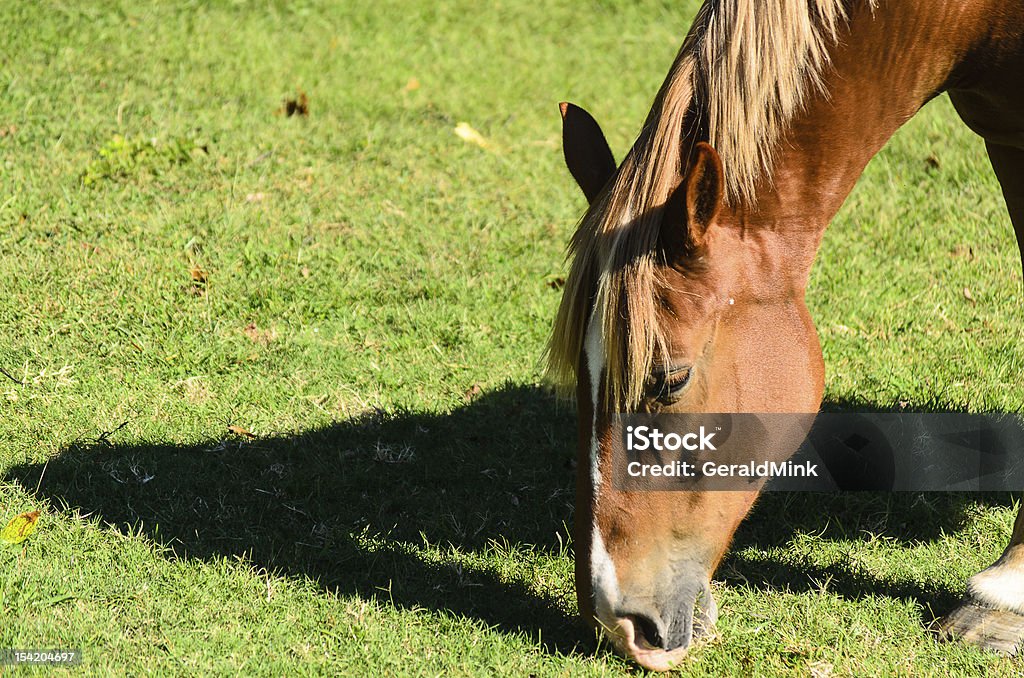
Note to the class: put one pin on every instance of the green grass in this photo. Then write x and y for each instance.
(369, 295)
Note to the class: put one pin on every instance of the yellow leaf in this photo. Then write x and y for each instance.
(241, 431)
(20, 528)
(467, 133)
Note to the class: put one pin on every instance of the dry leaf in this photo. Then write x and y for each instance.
(467, 133)
(473, 392)
(20, 528)
(258, 336)
(820, 669)
(241, 432)
(199, 280)
(967, 295)
(412, 85)
(296, 106)
(963, 251)
(255, 197)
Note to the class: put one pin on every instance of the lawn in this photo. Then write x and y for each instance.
(274, 380)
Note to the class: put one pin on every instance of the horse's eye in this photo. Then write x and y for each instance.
(667, 386)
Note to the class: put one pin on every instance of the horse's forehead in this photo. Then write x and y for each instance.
(687, 287)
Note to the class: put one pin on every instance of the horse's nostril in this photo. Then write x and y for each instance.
(650, 631)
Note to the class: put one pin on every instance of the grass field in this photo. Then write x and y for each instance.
(278, 377)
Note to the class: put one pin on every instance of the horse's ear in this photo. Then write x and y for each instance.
(695, 202)
(705, 189)
(587, 155)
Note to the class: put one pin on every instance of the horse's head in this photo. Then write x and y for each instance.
(700, 315)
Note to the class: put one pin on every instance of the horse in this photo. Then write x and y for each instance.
(687, 275)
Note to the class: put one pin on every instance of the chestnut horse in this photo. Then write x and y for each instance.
(688, 270)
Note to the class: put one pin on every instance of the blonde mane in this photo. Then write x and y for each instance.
(742, 73)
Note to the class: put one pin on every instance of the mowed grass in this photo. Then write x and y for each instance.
(278, 377)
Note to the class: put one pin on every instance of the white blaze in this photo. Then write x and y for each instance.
(595, 366)
(603, 578)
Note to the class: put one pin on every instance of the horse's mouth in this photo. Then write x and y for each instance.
(629, 639)
(643, 641)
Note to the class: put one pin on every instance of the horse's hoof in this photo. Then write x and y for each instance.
(998, 630)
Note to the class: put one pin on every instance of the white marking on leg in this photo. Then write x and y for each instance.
(1000, 586)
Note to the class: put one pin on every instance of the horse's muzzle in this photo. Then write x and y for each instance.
(657, 634)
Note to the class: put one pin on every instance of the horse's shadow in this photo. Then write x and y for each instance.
(372, 505)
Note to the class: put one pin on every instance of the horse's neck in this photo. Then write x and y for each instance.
(883, 70)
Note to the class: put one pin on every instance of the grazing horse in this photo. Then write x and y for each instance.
(688, 271)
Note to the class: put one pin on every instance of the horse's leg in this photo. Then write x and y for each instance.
(992, 613)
